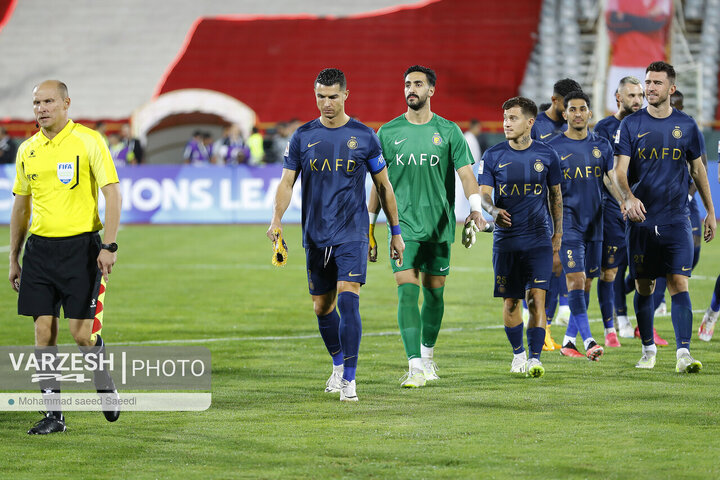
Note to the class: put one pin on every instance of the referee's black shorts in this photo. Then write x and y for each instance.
(60, 271)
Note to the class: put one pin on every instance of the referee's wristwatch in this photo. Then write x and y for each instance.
(111, 247)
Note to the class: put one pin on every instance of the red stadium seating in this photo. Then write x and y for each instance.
(6, 10)
(479, 50)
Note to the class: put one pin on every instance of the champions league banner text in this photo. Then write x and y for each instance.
(153, 378)
(184, 194)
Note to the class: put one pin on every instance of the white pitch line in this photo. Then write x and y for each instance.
(316, 335)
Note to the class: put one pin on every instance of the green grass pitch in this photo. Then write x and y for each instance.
(270, 418)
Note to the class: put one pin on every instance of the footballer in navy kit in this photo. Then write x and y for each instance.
(334, 154)
(653, 149)
(585, 159)
(611, 284)
(549, 124)
(523, 173)
(677, 102)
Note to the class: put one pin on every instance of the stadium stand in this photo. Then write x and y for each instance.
(112, 55)
(461, 40)
(572, 43)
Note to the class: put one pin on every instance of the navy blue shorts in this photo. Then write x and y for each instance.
(580, 256)
(695, 220)
(516, 272)
(326, 266)
(658, 250)
(614, 248)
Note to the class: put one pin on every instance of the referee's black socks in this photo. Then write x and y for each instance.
(47, 358)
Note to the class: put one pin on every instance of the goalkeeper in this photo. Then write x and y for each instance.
(422, 151)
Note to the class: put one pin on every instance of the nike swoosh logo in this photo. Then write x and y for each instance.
(640, 135)
(398, 142)
(313, 144)
(539, 281)
(501, 165)
(354, 274)
(566, 156)
(686, 269)
(546, 135)
(593, 270)
(443, 269)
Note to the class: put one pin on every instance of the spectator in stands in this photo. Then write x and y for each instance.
(231, 148)
(101, 128)
(279, 142)
(255, 143)
(8, 148)
(135, 155)
(118, 150)
(471, 136)
(195, 152)
(638, 35)
(207, 142)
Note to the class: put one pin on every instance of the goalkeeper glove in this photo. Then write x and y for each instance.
(280, 253)
(468, 235)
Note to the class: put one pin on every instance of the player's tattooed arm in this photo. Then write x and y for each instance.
(699, 176)
(556, 212)
(501, 216)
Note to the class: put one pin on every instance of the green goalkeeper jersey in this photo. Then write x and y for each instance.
(421, 161)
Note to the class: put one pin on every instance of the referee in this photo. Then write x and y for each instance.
(58, 172)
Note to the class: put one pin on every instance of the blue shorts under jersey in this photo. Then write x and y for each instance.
(581, 256)
(614, 248)
(326, 266)
(657, 250)
(519, 271)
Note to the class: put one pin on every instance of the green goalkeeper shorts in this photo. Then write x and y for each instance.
(428, 257)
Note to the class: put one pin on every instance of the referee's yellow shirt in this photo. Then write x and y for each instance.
(63, 176)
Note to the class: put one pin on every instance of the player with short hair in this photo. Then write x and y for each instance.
(551, 122)
(334, 153)
(585, 159)
(58, 173)
(548, 124)
(676, 101)
(423, 150)
(655, 145)
(611, 284)
(528, 232)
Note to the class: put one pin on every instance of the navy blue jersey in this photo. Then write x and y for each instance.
(333, 163)
(521, 179)
(544, 128)
(659, 151)
(583, 164)
(608, 128)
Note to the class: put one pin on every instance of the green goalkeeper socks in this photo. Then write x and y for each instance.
(409, 318)
(432, 314)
